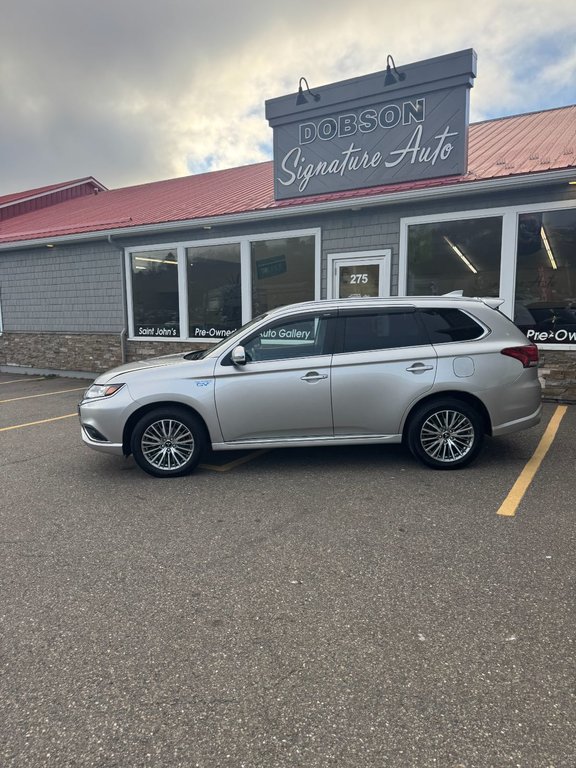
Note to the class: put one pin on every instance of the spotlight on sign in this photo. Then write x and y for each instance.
(301, 98)
(392, 75)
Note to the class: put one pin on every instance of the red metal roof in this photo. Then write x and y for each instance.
(505, 147)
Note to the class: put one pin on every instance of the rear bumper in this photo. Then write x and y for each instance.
(518, 424)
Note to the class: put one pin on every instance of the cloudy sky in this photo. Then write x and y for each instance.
(131, 91)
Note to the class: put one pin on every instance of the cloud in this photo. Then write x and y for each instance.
(131, 92)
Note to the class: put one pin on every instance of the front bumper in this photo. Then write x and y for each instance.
(102, 421)
(104, 446)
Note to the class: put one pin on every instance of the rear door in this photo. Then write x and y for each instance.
(383, 362)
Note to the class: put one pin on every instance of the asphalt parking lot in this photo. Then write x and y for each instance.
(314, 608)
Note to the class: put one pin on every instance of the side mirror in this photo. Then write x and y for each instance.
(238, 356)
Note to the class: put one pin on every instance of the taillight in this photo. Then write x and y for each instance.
(527, 354)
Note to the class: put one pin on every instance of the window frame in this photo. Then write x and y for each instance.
(186, 287)
(484, 328)
(128, 253)
(330, 316)
(343, 314)
(180, 247)
(382, 257)
(510, 215)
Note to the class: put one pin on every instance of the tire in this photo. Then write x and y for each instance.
(446, 434)
(168, 442)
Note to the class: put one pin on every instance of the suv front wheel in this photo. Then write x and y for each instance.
(168, 442)
(445, 434)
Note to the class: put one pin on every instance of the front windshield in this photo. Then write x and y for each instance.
(200, 354)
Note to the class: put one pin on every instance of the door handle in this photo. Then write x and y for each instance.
(314, 376)
(420, 368)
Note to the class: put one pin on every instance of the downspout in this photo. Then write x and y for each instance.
(124, 331)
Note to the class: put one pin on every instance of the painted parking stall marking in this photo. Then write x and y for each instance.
(22, 381)
(43, 394)
(512, 501)
(35, 423)
(235, 463)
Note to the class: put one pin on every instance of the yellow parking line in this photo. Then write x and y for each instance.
(44, 394)
(512, 501)
(233, 464)
(33, 423)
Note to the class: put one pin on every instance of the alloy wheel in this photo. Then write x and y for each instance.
(167, 444)
(447, 436)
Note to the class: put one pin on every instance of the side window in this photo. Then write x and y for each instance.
(382, 329)
(288, 338)
(445, 325)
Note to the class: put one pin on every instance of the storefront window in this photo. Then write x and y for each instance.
(155, 293)
(545, 301)
(214, 292)
(195, 290)
(455, 255)
(282, 272)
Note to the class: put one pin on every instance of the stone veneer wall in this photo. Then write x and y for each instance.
(140, 350)
(84, 352)
(80, 352)
(558, 374)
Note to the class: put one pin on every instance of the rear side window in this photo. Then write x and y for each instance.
(381, 329)
(444, 325)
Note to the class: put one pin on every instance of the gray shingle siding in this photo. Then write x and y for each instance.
(69, 288)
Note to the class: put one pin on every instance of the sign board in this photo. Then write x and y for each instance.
(270, 267)
(365, 133)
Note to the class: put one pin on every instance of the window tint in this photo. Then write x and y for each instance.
(455, 255)
(288, 338)
(450, 325)
(282, 272)
(382, 329)
(214, 294)
(155, 293)
(201, 290)
(545, 306)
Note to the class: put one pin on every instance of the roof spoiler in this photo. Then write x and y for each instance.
(495, 303)
(490, 301)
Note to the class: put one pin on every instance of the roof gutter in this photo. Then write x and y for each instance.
(369, 201)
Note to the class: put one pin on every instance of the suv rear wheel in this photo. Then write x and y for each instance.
(168, 442)
(445, 434)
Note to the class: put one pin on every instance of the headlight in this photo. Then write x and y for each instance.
(101, 390)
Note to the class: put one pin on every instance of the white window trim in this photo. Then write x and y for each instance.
(374, 256)
(509, 215)
(245, 272)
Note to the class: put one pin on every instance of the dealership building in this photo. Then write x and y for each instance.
(378, 186)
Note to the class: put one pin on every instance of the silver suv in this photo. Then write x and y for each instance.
(436, 373)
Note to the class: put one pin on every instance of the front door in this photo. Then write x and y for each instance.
(356, 275)
(283, 391)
